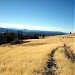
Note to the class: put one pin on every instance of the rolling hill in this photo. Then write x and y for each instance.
(52, 55)
(32, 32)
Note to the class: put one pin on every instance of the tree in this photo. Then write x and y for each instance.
(18, 34)
(21, 35)
(70, 33)
(43, 36)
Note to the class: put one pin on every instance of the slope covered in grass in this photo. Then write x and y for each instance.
(46, 56)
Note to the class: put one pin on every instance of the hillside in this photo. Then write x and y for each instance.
(31, 32)
(52, 55)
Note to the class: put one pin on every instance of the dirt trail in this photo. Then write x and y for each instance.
(69, 54)
(65, 61)
(55, 61)
(51, 64)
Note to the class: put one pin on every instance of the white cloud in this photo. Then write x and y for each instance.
(33, 27)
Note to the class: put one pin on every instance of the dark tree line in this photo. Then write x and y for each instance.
(11, 37)
(6, 37)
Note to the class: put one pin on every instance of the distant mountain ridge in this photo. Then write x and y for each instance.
(32, 32)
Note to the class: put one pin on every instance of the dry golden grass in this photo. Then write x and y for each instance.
(65, 66)
(31, 58)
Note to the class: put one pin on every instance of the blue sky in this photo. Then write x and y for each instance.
(51, 15)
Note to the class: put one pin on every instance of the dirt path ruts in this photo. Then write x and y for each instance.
(51, 64)
(69, 54)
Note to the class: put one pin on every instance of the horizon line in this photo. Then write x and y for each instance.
(32, 27)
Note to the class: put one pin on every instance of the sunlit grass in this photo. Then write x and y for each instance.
(30, 58)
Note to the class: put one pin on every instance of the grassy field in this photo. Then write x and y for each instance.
(54, 55)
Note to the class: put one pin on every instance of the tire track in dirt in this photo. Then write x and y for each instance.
(51, 64)
(53, 68)
(69, 54)
(65, 66)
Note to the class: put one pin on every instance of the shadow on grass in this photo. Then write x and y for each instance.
(19, 42)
